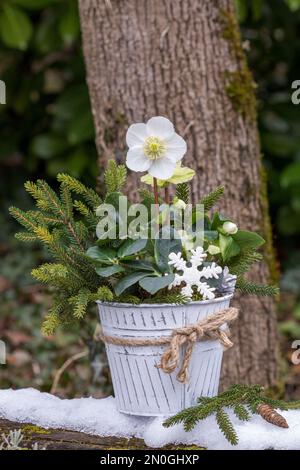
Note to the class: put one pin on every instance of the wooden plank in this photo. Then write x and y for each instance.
(61, 439)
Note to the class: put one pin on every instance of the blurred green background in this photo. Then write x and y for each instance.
(46, 127)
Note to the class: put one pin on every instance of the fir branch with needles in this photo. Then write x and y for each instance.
(212, 198)
(66, 227)
(88, 194)
(114, 176)
(253, 288)
(183, 192)
(242, 263)
(243, 400)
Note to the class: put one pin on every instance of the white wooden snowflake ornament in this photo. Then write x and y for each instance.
(191, 274)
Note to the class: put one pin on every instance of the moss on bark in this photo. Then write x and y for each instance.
(239, 84)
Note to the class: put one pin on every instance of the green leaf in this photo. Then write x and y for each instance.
(248, 240)
(72, 102)
(114, 199)
(140, 265)
(228, 247)
(293, 4)
(46, 37)
(280, 145)
(130, 247)
(128, 281)
(291, 175)
(48, 145)
(154, 284)
(110, 270)
(211, 234)
(218, 220)
(15, 27)
(101, 254)
(163, 247)
(81, 128)
(69, 23)
(34, 4)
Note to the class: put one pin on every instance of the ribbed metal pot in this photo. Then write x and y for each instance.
(140, 387)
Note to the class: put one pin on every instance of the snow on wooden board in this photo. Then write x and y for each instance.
(100, 417)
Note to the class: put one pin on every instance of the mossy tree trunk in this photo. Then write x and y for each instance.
(183, 59)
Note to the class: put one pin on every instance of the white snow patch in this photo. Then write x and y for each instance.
(100, 417)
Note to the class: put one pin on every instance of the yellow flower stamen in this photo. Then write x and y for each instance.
(154, 148)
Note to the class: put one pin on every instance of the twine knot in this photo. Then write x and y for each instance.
(184, 337)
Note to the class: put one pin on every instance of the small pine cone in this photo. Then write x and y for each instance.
(269, 414)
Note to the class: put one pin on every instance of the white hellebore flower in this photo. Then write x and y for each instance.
(154, 147)
(230, 228)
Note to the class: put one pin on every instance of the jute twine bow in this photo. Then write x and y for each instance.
(206, 329)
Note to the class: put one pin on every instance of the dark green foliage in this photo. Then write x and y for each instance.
(243, 399)
(128, 299)
(226, 426)
(88, 194)
(167, 298)
(114, 176)
(147, 198)
(241, 412)
(183, 192)
(240, 265)
(243, 262)
(212, 198)
(55, 224)
(252, 288)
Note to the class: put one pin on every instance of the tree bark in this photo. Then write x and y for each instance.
(183, 59)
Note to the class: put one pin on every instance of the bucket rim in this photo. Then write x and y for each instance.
(195, 302)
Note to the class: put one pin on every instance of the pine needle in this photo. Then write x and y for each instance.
(252, 288)
(242, 399)
(114, 176)
(183, 192)
(212, 198)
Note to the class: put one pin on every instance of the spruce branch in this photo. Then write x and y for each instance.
(146, 195)
(114, 176)
(166, 298)
(61, 208)
(66, 199)
(244, 400)
(71, 275)
(82, 208)
(103, 294)
(26, 237)
(57, 275)
(24, 218)
(127, 299)
(226, 426)
(43, 234)
(212, 198)
(183, 192)
(55, 205)
(80, 302)
(37, 194)
(50, 324)
(243, 262)
(252, 288)
(241, 412)
(55, 317)
(45, 218)
(88, 194)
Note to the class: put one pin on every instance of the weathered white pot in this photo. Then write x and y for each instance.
(140, 387)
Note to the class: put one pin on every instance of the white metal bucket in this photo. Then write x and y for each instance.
(140, 387)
